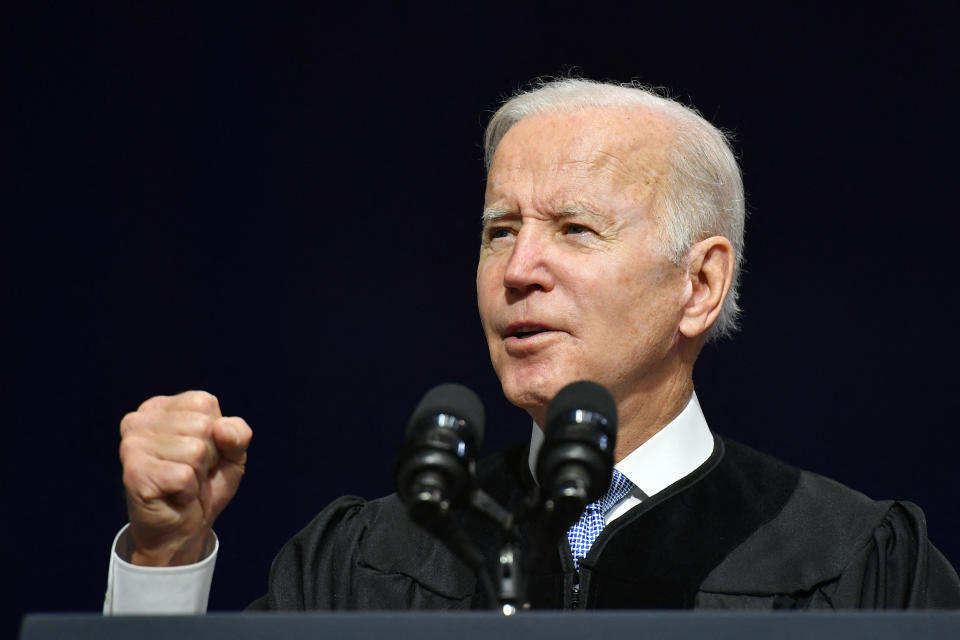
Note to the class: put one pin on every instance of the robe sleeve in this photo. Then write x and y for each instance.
(359, 554)
(897, 568)
(313, 569)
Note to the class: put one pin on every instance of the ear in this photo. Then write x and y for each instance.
(710, 272)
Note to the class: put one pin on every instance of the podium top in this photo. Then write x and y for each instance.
(560, 625)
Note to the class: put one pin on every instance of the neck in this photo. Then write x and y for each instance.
(644, 409)
(644, 412)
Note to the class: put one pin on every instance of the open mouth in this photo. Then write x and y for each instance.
(526, 331)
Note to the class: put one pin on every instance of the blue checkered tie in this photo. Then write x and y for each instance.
(582, 534)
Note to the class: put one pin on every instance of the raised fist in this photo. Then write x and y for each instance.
(182, 463)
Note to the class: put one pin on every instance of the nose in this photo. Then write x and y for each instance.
(528, 268)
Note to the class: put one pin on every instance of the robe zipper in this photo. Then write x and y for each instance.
(575, 596)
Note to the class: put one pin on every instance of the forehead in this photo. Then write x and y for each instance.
(558, 155)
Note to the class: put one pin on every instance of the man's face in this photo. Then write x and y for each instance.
(571, 282)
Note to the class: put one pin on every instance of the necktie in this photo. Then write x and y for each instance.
(582, 534)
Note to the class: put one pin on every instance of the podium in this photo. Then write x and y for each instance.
(557, 625)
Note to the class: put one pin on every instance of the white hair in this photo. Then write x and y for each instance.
(702, 197)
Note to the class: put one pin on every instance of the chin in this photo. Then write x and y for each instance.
(532, 393)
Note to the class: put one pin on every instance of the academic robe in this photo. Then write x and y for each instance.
(742, 531)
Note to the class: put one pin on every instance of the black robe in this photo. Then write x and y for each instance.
(742, 531)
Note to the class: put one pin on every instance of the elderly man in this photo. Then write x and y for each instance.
(613, 233)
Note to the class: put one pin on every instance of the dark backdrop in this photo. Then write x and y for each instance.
(281, 206)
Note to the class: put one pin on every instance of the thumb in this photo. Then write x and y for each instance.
(222, 485)
(232, 436)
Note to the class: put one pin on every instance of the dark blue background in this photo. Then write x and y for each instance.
(281, 206)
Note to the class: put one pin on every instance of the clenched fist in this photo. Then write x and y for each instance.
(182, 463)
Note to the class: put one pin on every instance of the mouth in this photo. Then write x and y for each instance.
(526, 330)
(529, 337)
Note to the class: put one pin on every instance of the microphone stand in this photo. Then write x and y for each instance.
(510, 588)
(576, 460)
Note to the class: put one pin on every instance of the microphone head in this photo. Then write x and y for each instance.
(435, 465)
(451, 399)
(584, 396)
(576, 459)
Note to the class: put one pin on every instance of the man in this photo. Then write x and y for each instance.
(613, 233)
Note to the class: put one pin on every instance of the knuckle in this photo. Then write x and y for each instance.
(130, 423)
(196, 451)
(185, 423)
(183, 476)
(201, 424)
(132, 448)
(151, 403)
(126, 450)
(203, 401)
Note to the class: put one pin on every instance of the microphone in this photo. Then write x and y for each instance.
(575, 464)
(435, 466)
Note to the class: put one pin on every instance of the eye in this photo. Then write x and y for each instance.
(573, 228)
(497, 232)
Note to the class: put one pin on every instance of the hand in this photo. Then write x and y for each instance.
(182, 463)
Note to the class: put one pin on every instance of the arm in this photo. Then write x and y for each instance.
(182, 463)
(898, 568)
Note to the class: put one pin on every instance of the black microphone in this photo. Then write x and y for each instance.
(435, 467)
(575, 464)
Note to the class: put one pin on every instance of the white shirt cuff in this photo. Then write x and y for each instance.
(136, 590)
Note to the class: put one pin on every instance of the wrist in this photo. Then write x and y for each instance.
(141, 590)
(182, 552)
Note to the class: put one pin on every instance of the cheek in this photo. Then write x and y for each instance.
(484, 291)
(487, 312)
(489, 309)
(648, 305)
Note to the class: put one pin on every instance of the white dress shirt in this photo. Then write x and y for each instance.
(136, 590)
(671, 454)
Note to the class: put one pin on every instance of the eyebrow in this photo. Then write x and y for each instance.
(579, 209)
(495, 214)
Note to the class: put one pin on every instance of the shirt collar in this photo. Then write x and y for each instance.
(672, 453)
